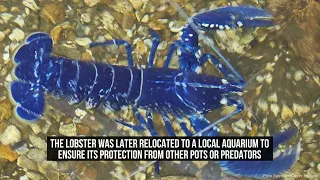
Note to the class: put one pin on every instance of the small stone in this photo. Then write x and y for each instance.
(2, 36)
(17, 35)
(68, 129)
(19, 20)
(31, 4)
(87, 56)
(145, 18)
(91, 3)
(83, 130)
(36, 155)
(53, 12)
(35, 128)
(24, 177)
(24, 162)
(86, 172)
(67, 51)
(83, 41)
(38, 142)
(86, 17)
(318, 167)
(300, 109)
(3, 8)
(137, 4)
(6, 17)
(34, 175)
(286, 112)
(57, 31)
(5, 110)
(11, 135)
(6, 152)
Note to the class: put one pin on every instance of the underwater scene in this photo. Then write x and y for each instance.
(159, 68)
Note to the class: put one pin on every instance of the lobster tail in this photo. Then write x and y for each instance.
(262, 169)
(29, 99)
(27, 92)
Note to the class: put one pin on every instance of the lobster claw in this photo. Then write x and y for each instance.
(231, 17)
(262, 169)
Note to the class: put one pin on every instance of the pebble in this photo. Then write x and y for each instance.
(145, 18)
(24, 177)
(34, 175)
(2, 36)
(3, 8)
(6, 17)
(137, 4)
(86, 17)
(24, 162)
(286, 112)
(17, 35)
(11, 135)
(5, 109)
(19, 20)
(91, 3)
(68, 129)
(318, 167)
(83, 41)
(31, 4)
(36, 155)
(6, 152)
(53, 12)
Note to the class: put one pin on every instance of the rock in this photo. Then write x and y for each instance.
(66, 51)
(137, 4)
(17, 35)
(24, 162)
(38, 142)
(318, 167)
(36, 155)
(5, 109)
(6, 152)
(57, 32)
(83, 130)
(68, 129)
(2, 36)
(83, 41)
(86, 17)
(6, 17)
(86, 172)
(31, 4)
(91, 3)
(19, 20)
(11, 135)
(128, 20)
(53, 12)
(24, 177)
(34, 175)
(3, 8)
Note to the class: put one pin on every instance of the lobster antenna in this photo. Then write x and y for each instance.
(204, 38)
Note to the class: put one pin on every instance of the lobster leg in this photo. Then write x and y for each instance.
(155, 44)
(183, 125)
(167, 124)
(117, 42)
(190, 50)
(205, 57)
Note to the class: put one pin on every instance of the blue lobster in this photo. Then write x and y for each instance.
(180, 92)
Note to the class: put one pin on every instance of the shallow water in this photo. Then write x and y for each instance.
(281, 90)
